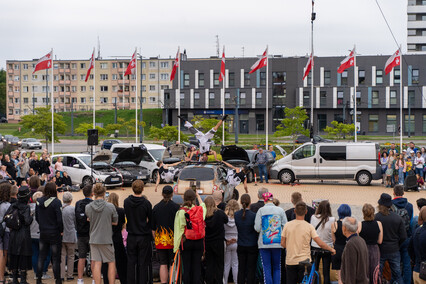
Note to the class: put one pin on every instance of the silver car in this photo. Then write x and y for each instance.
(30, 143)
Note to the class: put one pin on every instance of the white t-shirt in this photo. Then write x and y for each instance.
(324, 232)
(421, 160)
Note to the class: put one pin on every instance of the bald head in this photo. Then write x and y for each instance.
(351, 225)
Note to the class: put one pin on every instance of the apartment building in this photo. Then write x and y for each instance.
(416, 26)
(26, 91)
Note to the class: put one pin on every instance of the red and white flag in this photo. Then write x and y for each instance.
(222, 67)
(132, 65)
(91, 65)
(394, 60)
(261, 62)
(175, 66)
(308, 66)
(44, 63)
(349, 61)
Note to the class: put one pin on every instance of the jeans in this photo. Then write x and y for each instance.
(139, 255)
(271, 261)
(401, 176)
(215, 253)
(36, 252)
(263, 172)
(394, 260)
(231, 260)
(419, 171)
(192, 252)
(406, 263)
(247, 261)
(51, 242)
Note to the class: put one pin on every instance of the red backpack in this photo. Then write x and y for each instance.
(195, 225)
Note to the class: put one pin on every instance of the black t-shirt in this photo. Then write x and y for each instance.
(163, 220)
(241, 176)
(291, 215)
(116, 229)
(162, 170)
(214, 226)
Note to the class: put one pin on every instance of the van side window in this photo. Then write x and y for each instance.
(304, 152)
(333, 153)
(146, 157)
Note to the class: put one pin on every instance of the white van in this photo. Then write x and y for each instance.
(154, 154)
(356, 161)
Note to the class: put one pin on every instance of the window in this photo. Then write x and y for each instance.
(379, 76)
(104, 65)
(152, 100)
(396, 76)
(104, 88)
(260, 122)
(143, 88)
(358, 98)
(322, 121)
(25, 66)
(211, 99)
(373, 123)
(227, 98)
(143, 65)
(258, 98)
(104, 77)
(242, 98)
(83, 100)
(133, 76)
(375, 98)
(74, 100)
(333, 153)
(152, 87)
(231, 79)
(164, 64)
(82, 88)
(16, 67)
(82, 65)
(25, 77)
(263, 78)
(246, 79)
(164, 76)
(114, 88)
(164, 87)
(361, 77)
(411, 17)
(104, 100)
(114, 76)
(82, 77)
(344, 80)
(73, 65)
(73, 77)
(114, 65)
(133, 88)
(393, 97)
(44, 77)
(415, 76)
(186, 80)
(43, 89)
(34, 78)
(25, 89)
(216, 79)
(304, 152)
(182, 99)
(17, 111)
(411, 98)
(151, 76)
(409, 123)
(35, 89)
(340, 100)
(327, 77)
(424, 123)
(278, 78)
(338, 117)
(152, 64)
(323, 98)
(200, 80)
(196, 99)
(25, 100)
(306, 99)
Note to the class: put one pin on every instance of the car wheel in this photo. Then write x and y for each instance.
(363, 178)
(154, 176)
(235, 194)
(87, 181)
(286, 176)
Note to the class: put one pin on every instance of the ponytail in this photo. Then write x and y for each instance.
(245, 202)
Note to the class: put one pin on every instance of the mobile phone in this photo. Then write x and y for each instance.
(107, 194)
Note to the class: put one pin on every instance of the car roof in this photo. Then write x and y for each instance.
(148, 146)
(209, 166)
(72, 155)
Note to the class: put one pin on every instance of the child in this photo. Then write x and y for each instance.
(389, 173)
(409, 164)
(420, 182)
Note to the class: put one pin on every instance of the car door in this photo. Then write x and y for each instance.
(74, 173)
(332, 161)
(148, 162)
(305, 162)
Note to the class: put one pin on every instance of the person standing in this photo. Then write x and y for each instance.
(339, 239)
(259, 204)
(69, 238)
(296, 197)
(49, 217)
(231, 239)
(419, 162)
(139, 249)
(269, 222)
(24, 166)
(354, 268)
(102, 216)
(5, 188)
(271, 150)
(417, 246)
(384, 163)
(163, 219)
(261, 160)
(401, 166)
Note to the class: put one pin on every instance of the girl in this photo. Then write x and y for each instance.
(384, 162)
(401, 166)
(389, 174)
(231, 237)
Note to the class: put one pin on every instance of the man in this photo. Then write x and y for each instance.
(412, 147)
(403, 208)
(354, 268)
(296, 239)
(69, 238)
(176, 150)
(261, 160)
(259, 204)
(102, 216)
(394, 235)
(271, 150)
(166, 174)
(236, 175)
(295, 198)
(218, 200)
(139, 250)
(204, 140)
(393, 148)
(83, 227)
(418, 247)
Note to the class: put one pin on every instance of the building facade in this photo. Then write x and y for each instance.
(416, 26)
(26, 91)
(377, 94)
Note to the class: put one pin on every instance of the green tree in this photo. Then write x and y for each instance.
(83, 127)
(292, 124)
(168, 133)
(340, 130)
(205, 124)
(41, 123)
(3, 92)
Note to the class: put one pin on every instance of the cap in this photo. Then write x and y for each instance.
(23, 192)
(167, 189)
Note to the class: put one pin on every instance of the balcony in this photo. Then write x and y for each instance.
(120, 93)
(121, 70)
(416, 25)
(67, 82)
(67, 70)
(10, 82)
(61, 70)
(10, 71)
(10, 94)
(416, 9)
(10, 105)
(416, 39)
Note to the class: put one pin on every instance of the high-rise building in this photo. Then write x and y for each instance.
(27, 91)
(416, 26)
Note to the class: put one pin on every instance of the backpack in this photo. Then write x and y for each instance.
(195, 225)
(11, 218)
(403, 213)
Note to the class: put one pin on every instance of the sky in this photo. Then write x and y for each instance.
(29, 29)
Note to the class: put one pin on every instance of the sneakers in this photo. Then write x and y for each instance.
(188, 124)
(80, 281)
(46, 276)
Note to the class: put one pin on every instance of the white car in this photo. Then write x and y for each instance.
(78, 167)
(30, 143)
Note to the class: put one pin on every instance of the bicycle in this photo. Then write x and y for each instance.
(313, 277)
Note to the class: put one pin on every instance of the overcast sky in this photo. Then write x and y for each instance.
(28, 28)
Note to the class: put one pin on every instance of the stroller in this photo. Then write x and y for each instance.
(410, 182)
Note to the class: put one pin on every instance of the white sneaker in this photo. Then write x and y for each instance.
(188, 124)
(93, 281)
(80, 281)
(46, 276)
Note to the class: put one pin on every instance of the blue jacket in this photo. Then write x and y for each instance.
(417, 247)
(247, 236)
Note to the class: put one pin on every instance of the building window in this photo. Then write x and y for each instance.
(246, 79)
(411, 98)
(415, 76)
(104, 65)
(396, 76)
(25, 77)
(16, 100)
(344, 80)
(164, 87)
(182, 99)
(73, 77)
(73, 89)
(338, 117)
(358, 98)
(186, 80)
(133, 76)
(211, 99)
(322, 121)
(164, 64)
(91, 87)
(375, 98)
(34, 77)
(152, 87)
(231, 79)
(379, 76)
(306, 99)
(197, 99)
(133, 88)
(258, 98)
(216, 79)
(373, 123)
(242, 98)
(35, 89)
(200, 80)
(391, 120)
(104, 88)
(227, 98)
(424, 123)
(25, 66)
(25, 100)
(393, 97)
(323, 98)
(409, 123)
(152, 64)
(339, 98)
(143, 88)
(260, 122)
(83, 100)
(73, 100)
(361, 77)
(151, 76)
(327, 77)
(16, 67)
(114, 65)
(114, 76)
(82, 88)
(164, 76)
(25, 89)
(152, 100)
(263, 78)
(104, 100)
(82, 65)
(104, 77)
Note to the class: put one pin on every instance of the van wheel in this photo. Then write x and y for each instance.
(363, 178)
(286, 177)
(154, 176)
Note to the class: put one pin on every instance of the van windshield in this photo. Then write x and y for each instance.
(304, 152)
(197, 174)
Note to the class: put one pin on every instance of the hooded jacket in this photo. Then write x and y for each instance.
(49, 215)
(139, 215)
(101, 215)
(20, 240)
(402, 202)
(231, 231)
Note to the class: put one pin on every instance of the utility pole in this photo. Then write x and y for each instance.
(47, 87)
(409, 116)
(236, 118)
(313, 17)
(115, 111)
(33, 100)
(72, 118)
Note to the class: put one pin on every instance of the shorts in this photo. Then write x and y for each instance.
(103, 253)
(165, 256)
(4, 241)
(83, 246)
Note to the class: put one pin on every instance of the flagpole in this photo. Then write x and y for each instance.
(400, 100)
(51, 102)
(123, 87)
(223, 106)
(179, 93)
(267, 96)
(355, 103)
(312, 68)
(136, 94)
(94, 89)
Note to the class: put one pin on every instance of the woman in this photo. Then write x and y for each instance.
(418, 163)
(215, 248)
(191, 249)
(66, 179)
(34, 164)
(4, 240)
(322, 221)
(193, 155)
(384, 162)
(10, 167)
(34, 184)
(20, 250)
(247, 242)
(24, 166)
(372, 233)
(401, 166)
(231, 238)
(339, 239)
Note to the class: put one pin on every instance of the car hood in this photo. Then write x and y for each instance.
(233, 152)
(132, 154)
(103, 156)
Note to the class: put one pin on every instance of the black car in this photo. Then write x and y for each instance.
(108, 143)
(3, 120)
(304, 139)
(127, 163)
